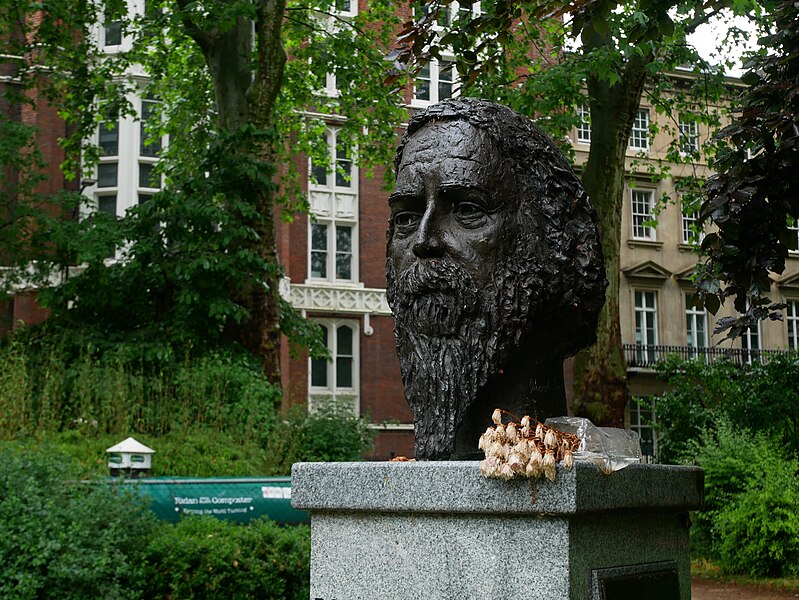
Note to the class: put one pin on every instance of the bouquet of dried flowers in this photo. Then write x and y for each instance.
(525, 449)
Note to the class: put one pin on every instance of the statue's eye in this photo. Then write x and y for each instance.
(469, 213)
(407, 220)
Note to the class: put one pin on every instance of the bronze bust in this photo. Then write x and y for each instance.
(495, 271)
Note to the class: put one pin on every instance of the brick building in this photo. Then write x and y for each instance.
(335, 263)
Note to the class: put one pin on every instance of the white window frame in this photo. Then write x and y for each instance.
(687, 221)
(644, 310)
(640, 198)
(128, 190)
(332, 391)
(639, 136)
(331, 214)
(584, 125)
(434, 72)
(695, 319)
(794, 226)
(145, 159)
(792, 322)
(689, 137)
(331, 250)
(638, 425)
(451, 13)
(750, 342)
(352, 11)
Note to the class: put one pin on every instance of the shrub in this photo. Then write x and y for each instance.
(751, 516)
(67, 539)
(759, 531)
(329, 433)
(202, 557)
(760, 397)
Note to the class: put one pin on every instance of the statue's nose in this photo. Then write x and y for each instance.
(430, 242)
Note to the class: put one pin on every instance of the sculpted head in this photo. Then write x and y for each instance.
(494, 269)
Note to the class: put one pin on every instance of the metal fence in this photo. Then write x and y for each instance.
(648, 357)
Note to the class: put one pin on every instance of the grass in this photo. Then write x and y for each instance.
(706, 569)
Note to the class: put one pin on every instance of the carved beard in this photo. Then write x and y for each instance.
(450, 338)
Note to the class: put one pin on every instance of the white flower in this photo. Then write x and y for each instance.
(510, 431)
(522, 449)
(550, 439)
(549, 465)
(506, 472)
(497, 416)
(516, 462)
(500, 432)
(568, 459)
(525, 421)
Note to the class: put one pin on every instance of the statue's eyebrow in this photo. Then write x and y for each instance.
(467, 186)
(403, 196)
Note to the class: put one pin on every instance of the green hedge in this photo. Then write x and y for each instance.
(67, 539)
(202, 557)
(63, 538)
(751, 519)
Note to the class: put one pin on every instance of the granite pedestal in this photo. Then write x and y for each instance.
(440, 530)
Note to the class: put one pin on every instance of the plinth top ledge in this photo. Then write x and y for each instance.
(459, 487)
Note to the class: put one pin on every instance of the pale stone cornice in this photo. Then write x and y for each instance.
(332, 298)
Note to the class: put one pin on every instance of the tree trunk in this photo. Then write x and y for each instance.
(244, 97)
(600, 374)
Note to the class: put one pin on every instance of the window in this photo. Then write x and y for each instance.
(331, 251)
(346, 8)
(337, 378)
(436, 81)
(689, 136)
(646, 326)
(793, 324)
(639, 138)
(107, 174)
(457, 14)
(112, 33)
(332, 248)
(750, 343)
(454, 13)
(149, 146)
(584, 126)
(695, 326)
(643, 203)
(108, 205)
(108, 137)
(642, 421)
(689, 229)
(793, 225)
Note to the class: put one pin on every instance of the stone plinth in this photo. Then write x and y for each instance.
(440, 530)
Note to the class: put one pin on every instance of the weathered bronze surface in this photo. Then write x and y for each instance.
(495, 271)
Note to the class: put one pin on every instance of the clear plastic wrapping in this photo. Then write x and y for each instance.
(608, 448)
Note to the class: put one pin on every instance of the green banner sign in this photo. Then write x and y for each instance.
(239, 499)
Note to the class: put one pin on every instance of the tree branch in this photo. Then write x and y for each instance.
(203, 38)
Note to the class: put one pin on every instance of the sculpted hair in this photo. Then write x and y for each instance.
(552, 199)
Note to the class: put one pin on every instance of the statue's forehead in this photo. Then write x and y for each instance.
(448, 139)
(456, 150)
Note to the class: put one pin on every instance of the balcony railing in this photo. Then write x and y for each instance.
(648, 357)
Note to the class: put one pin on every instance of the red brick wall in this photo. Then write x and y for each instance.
(27, 311)
(372, 230)
(392, 443)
